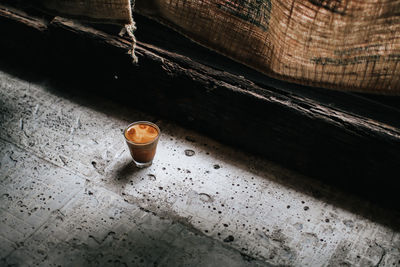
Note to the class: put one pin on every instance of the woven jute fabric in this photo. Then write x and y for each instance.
(107, 11)
(347, 45)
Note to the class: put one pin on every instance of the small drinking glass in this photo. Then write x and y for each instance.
(142, 139)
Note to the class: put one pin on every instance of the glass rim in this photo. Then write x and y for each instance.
(142, 122)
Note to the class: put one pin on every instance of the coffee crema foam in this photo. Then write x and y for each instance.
(141, 133)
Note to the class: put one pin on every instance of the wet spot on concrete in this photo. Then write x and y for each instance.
(152, 177)
(229, 239)
(349, 223)
(189, 152)
(205, 197)
(298, 226)
(311, 238)
(190, 139)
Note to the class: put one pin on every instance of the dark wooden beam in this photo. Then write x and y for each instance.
(316, 132)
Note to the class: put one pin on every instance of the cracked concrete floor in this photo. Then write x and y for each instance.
(70, 196)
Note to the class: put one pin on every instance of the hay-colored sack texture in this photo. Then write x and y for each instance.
(107, 11)
(347, 45)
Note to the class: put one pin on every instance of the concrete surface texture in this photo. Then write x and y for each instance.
(70, 196)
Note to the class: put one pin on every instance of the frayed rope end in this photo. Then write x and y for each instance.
(129, 29)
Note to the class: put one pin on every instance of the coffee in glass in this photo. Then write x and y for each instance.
(142, 138)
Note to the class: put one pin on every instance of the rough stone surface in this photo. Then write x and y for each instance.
(71, 196)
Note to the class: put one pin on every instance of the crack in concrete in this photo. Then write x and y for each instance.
(382, 255)
(111, 233)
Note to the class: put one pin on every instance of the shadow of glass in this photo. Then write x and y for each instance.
(125, 172)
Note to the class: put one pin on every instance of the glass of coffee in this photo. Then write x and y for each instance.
(142, 138)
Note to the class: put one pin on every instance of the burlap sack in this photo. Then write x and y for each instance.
(340, 44)
(107, 11)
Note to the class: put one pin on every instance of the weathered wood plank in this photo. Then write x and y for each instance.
(23, 18)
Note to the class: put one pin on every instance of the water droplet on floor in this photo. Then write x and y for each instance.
(229, 239)
(152, 177)
(205, 197)
(190, 139)
(189, 152)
